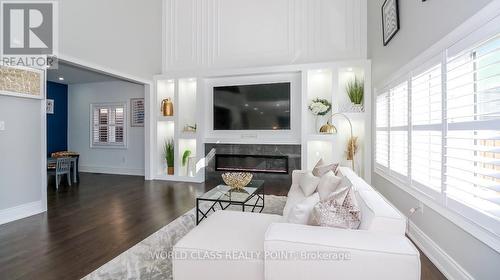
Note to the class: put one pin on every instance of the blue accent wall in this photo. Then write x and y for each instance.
(57, 123)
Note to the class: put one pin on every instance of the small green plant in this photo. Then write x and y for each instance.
(355, 91)
(168, 152)
(185, 156)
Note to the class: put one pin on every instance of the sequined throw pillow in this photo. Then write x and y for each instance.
(340, 210)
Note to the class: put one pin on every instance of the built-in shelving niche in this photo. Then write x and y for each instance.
(330, 83)
(180, 128)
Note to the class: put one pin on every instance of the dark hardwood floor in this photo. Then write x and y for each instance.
(91, 223)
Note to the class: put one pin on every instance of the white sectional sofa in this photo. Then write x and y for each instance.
(275, 249)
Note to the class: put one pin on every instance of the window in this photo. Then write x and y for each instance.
(439, 132)
(398, 121)
(426, 135)
(108, 125)
(473, 120)
(382, 135)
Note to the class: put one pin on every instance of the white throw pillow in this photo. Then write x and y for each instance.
(308, 183)
(301, 213)
(321, 168)
(327, 185)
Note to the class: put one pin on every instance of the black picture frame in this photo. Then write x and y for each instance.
(387, 37)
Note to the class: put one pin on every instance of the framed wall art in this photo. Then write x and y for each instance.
(137, 112)
(390, 20)
(22, 82)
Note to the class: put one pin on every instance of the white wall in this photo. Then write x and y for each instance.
(20, 165)
(458, 253)
(123, 35)
(208, 34)
(422, 24)
(102, 160)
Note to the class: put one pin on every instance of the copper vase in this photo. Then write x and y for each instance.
(167, 107)
(170, 170)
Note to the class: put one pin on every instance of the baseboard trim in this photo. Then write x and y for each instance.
(21, 211)
(111, 170)
(446, 264)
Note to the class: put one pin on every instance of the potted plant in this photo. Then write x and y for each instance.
(319, 107)
(185, 157)
(355, 91)
(168, 153)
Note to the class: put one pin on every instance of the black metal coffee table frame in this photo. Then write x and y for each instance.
(225, 203)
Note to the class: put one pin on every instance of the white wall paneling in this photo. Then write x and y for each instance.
(193, 91)
(216, 34)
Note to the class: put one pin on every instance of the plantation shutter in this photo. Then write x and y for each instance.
(382, 135)
(473, 120)
(108, 125)
(398, 132)
(426, 136)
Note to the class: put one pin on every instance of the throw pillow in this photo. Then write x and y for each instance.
(321, 168)
(341, 210)
(301, 213)
(327, 185)
(308, 183)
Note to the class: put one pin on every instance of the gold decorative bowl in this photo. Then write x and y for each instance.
(237, 180)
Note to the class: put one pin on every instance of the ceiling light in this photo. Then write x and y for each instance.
(349, 69)
(256, 108)
(61, 78)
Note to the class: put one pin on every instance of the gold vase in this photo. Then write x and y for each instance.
(327, 129)
(167, 107)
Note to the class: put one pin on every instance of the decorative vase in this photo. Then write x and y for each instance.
(167, 107)
(328, 128)
(357, 108)
(170, 170)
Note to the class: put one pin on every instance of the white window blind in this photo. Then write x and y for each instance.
(108, 125)
(473, 120)
(382, 135)
(426, 135)
(398, 132)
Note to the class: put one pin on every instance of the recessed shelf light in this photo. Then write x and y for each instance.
(61, 78)
(256, 108)
(246, 105)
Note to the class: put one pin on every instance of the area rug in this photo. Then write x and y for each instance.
(149, 259)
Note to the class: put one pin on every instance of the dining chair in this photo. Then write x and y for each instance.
(63, 167)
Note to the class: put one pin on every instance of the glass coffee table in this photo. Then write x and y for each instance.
(251, 197)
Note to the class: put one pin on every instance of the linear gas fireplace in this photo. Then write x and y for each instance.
(251, 163)
(272, 163)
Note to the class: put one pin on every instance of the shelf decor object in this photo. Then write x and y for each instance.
(237, 180)
(390, 20)
(167, 107)
(169, 156)
(350, 143)
(319, 107)
(137, 112)
(355, 91)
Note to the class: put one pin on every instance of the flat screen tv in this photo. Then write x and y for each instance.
(252, 107)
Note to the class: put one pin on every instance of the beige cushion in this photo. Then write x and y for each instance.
(341, 210)
(327, 185)
(321, 168)
(308, 183)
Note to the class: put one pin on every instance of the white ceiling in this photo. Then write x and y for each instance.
(73, 74)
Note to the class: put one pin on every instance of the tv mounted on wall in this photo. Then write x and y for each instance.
(252, 107)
